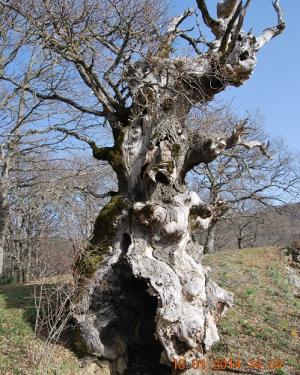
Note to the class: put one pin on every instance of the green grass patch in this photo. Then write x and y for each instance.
(19, 348)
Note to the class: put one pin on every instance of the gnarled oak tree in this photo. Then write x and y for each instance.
(144, 297)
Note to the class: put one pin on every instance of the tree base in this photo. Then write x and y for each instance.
(151, 301)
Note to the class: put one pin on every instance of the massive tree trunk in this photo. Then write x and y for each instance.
(151, 300)
(144, 297)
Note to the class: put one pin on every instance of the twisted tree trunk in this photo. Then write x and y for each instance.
(151, 300)
(145, 299)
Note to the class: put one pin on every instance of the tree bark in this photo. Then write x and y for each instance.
(3, 225)
(210, 239)
(144, 298)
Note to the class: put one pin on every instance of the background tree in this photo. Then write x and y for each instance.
(51, 212)
(32, 170)
(15, 113)
(241, 184)
(143, 290)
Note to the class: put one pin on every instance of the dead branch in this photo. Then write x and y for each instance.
(209, 21)
(236, 140)
(271, 32)
(164, 48)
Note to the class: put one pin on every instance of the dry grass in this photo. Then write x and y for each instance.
(264, 323)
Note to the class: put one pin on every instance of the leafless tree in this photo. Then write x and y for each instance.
(240, 185)
(20, 114)
(15, 112)
(245, 224)
(26, 175)
(144, 298)
(51, 211)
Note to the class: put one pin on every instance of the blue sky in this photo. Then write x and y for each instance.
(274, 87)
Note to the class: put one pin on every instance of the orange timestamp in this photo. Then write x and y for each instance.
(219, 364)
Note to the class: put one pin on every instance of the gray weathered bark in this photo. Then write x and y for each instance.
(145, 299)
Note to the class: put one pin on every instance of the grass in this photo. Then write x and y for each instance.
(19, 348)
(264, 323)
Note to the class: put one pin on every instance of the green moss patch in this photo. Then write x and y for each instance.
(103, 237)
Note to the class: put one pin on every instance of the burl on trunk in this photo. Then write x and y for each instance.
(144, 297)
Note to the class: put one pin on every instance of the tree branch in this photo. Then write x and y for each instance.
(230, 27)
(236, 140)
(192, 41)
(271, 32)
(238, 28)
(226, 8)
(100, 153)
(208, 20)
(205, 149)
(87, 190)
(172, 32)
(54, 96)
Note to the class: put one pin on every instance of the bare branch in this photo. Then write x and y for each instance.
(230, 27)
(271, 32)
(89, 191)
(209, 21)
(54, 96)
(205, 149)
(100, 153)
(236, 140)
(226, 8)
(178, 20)
(172, 32)
(192, 41)
(238, 28)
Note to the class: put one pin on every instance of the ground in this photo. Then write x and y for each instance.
(261, 330)
(263, 327)
(19, 350)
